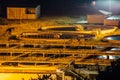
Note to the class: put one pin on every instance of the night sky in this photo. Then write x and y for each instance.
(65, 7)
(78, 7)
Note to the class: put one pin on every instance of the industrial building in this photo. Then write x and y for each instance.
(95, 19)
(113, 20)
(23, 12)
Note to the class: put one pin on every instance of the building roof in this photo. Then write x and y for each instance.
(114, 17)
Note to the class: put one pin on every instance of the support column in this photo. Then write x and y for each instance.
(0, 64)
(22, 45)
(35, 45)
(73, 55)
(7, 45)
(107, 57)
(10, 54)
(43, 55)
(63, 75)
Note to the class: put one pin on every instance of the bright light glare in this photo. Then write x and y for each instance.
(114, 17)
(110, 38)
(16, 76)
(93, 3)
(115, 49)
(102, 57)
(114, 57)
(4, 76)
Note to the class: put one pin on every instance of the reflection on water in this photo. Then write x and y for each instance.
(17, 76)
(108, 57)
(112, 37)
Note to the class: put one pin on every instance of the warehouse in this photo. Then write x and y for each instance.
(95, 19)
(113, 20)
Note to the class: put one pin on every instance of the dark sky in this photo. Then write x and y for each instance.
(63, 7)
(54, 7)
(78, 7)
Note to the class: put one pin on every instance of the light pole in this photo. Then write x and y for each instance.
(109, 5)
(93, 3)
